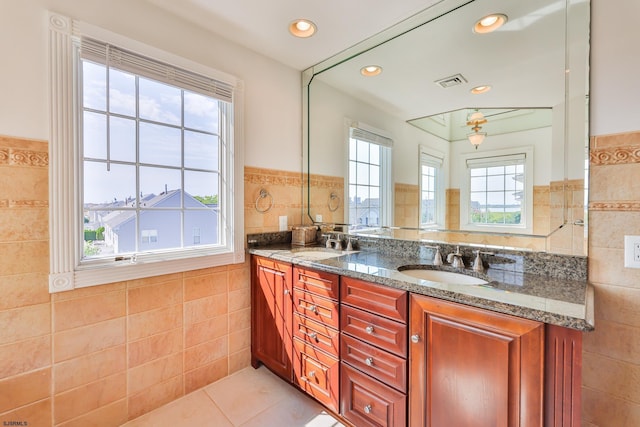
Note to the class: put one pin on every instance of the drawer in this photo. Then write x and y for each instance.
(367, 402)
(382, 365)
(378, 299)
(317, 334)
(375, 330)
(320, 309)
(317, 373)
(317, 282)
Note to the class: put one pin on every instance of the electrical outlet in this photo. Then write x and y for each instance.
(282, 221)
(632, 251)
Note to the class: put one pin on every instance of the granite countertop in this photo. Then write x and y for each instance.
(557, 301)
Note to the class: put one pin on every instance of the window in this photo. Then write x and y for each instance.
(152, 156)
(431, 189)
(369, 178)
(497, 192)
(149, 236)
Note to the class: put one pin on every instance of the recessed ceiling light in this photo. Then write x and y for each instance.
(480, 89)
(490, 23)
(302, 28)
(371, 70)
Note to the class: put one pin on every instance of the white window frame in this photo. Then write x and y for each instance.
(67, 271)
(435, 159)
(384, 140)
(526, 225)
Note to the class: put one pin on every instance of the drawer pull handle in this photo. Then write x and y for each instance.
(367, 409)
(415, 338)
(271, 271)
(286, 291)
(369, 329)
(313, 336)
(312, 374)
(313, 309)
(368, 361)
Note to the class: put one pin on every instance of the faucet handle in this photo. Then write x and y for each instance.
(350, 241)
(437, 257)
(478, 265)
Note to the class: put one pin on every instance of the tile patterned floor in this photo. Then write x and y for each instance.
(248, 398)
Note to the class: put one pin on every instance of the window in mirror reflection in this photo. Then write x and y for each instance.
(369, 177)
(431, 190)
(498, 192)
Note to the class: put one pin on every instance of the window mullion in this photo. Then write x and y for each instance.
(182, 186)
(137, 196)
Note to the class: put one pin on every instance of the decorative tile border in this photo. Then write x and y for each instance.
(271, 176)
(570, 184)
(616, 206)
(615, 155)
(28, 158)
(24, 203)
(23, 152)
(325, 181)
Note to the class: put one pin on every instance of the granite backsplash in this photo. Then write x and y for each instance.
(558, 266)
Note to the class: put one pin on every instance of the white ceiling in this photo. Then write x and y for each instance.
(262, 25)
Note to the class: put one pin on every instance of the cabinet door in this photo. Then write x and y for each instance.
(272, 316)
(473, 367)
(563, 377)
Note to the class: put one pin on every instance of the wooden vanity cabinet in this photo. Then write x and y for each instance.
(346, 341)
(316, 362)
(271, 316)
(373, 345)
(473, 367)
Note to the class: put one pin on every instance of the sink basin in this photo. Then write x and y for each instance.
(442, 276)
(318, 254)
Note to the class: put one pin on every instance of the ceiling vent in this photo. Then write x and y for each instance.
(454, 80)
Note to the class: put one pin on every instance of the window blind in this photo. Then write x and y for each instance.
(370, 137)
(430, 160)
(487, 162)
(113, 56)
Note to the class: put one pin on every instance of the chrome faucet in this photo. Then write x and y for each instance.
(334, 243)
(455, 258)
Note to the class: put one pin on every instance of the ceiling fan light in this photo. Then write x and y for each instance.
(475, 117)
(476, 138)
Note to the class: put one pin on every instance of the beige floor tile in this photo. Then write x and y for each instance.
(250, 397)
(195, 409)
(294, 412)
(248, 392)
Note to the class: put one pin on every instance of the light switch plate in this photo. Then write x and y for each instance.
(632, 251)
(318, 218)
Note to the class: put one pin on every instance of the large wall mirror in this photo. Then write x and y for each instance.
(470, 131)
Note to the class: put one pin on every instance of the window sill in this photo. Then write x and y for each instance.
(118, 271)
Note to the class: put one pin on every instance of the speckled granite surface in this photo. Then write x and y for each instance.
(512, 290)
